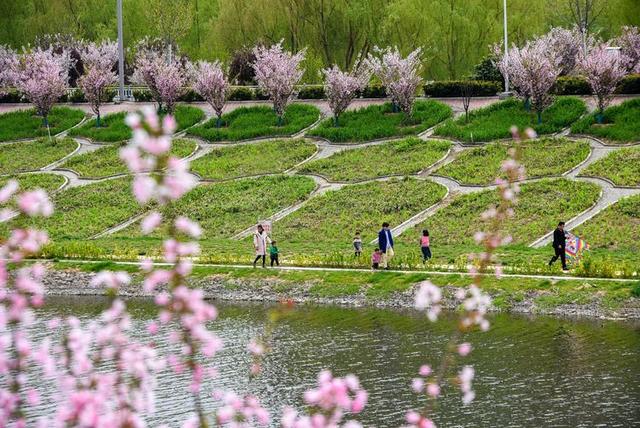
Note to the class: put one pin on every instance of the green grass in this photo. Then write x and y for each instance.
(616, 228)
(20, 124)
(81, 212)
(47, 182)
(540, 206)
(261, 121)
(621, 124)
(252, 159)
(622, 167)
(494, 122)
(335, 216)
(106, 161)
(113, 129)
(33, 155)
(404, 157)
(378, 121)
(224, 209)
(541, 158)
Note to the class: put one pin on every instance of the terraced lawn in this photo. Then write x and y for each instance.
(224, 209)
(621, 123)
(379, 121)
(616, 228)
(403, 157)
(541, 158)
(622, 167)
(113, 129)
(334, 217)
(81, 212)
(106, 161)
(261, 121)
(47, 182)
(252, 159)
(33, 155)
(540, 206)
(495, 121)
(20, 124)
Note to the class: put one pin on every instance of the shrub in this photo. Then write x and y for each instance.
(635, 290)
(453, 88)
(12, 96)
(571, 85)
(311, 93)
(629, 85)
(374, 91)
(241, 93)
(486, 70)
(190, 96)
(142, 95)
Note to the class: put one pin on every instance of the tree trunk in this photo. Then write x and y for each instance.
(98, 121)
(219, 121)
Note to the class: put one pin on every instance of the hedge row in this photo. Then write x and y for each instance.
(565, 85)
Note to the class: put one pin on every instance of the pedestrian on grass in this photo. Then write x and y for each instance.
(357, 245)
(559, 245)
(375, 259)
(424, 246)
(260, 241)
(273, 254)
(385, 240)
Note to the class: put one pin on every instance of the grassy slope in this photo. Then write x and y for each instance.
(335, 216)
(621, 123)
(224, 209)
(33, 155)
(47, 182)
(106, 161)
(378, 121)
(621, 167)
(545, 157)
(541, 204)
(252, 159)
(21, 124)
(113, 129)
(404, 157)
(260, 121)
(494, 122)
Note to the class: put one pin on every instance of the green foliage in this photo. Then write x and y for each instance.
(335, 216)
(374, 91)
(311, 93)
(33, 155)
(261, 121)
(615, 228)
(621, 123)
(21, 124)
(403, 157)
(241, 94)
(629, 84)
(106, 161)
(487, 70)
(622, 167)
(113, 128)
(571, 85)
(494, 122)
(47, 182)
(224, 209)
(540, 205)
(635, 290)
(453, 88)
(252, 159)
(378, 121)
(541, 158)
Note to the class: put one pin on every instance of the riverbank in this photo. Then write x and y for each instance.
(593, 298)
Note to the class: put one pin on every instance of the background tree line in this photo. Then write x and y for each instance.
(455, 34)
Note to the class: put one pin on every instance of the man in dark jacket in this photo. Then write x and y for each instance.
(559, 244)
(385, 241)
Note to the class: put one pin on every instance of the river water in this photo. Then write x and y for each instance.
(530, 371)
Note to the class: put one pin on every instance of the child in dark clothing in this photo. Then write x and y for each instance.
(273, 254)
(357, 245)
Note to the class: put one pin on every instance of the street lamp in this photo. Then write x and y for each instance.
(121, 96)
(506, 49)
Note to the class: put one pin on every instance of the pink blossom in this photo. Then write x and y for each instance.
(166, 78)
(417, 384)
(98, 61)
(111, 280)
(629, 43)
(151, 222)
(8, 67)
(603, 71)
(464, 349)
(433, 389)
(35, 203)
(8, 190)
(341, 87)
(428, 297)
(188, 227)
(425, 370)
(211, 84)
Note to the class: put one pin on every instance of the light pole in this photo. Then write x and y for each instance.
(506, 47)
(120, 55)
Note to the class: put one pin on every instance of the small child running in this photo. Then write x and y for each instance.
(375, 259)
(424, 246)
(357, 245)
(273, 254)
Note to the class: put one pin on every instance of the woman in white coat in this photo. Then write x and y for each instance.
(260, 242)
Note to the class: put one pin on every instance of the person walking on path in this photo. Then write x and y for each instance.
(260, 241)
(424, 246)
(375, 259)
(385, 240)
(559, 245)
(357, 245)
(273, 254)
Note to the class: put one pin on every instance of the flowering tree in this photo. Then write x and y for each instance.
(400, 76)
(567, 46)
(166, 79)
(629, 43)
(342, 87)
(42, 76)
(603, 71)
(277, 72)
(99, 61)
(8, 64)
(211, 84)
